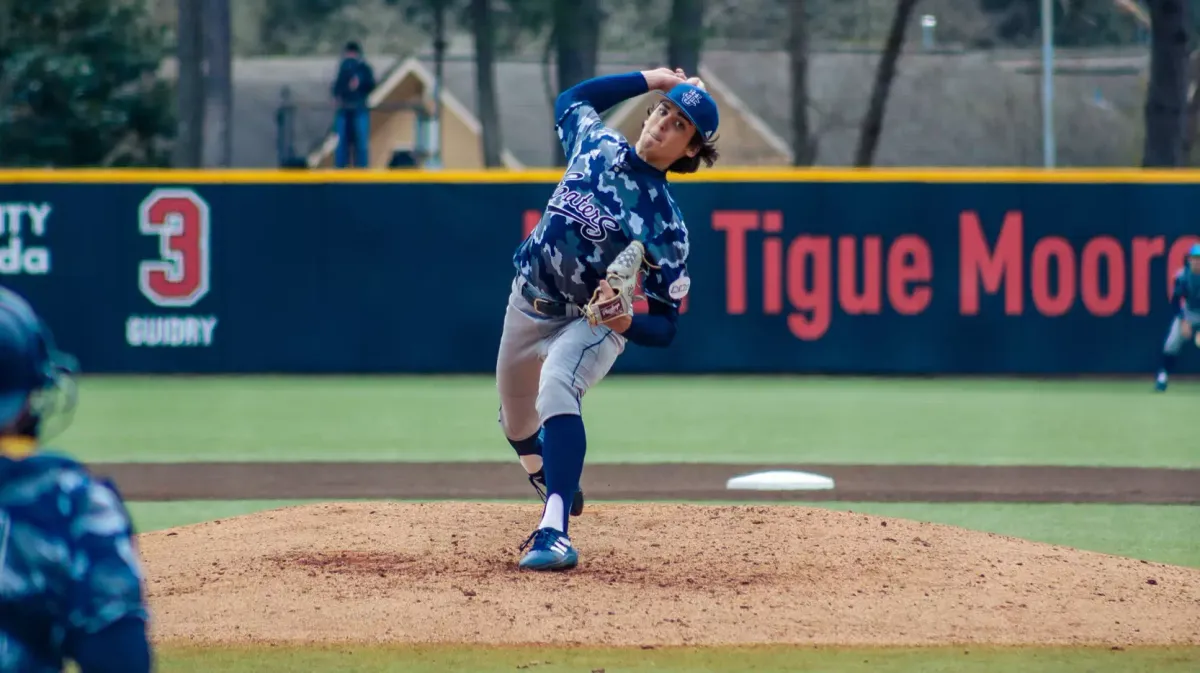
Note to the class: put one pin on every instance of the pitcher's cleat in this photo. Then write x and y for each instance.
(551, 550)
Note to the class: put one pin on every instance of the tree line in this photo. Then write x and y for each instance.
(77, 84)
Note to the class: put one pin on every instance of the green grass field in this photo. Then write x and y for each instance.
(765, 420)
(685, 660)
(825, 420)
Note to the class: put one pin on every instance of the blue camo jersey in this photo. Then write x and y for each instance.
(607, 198)
(1185, 296)
(67, 561)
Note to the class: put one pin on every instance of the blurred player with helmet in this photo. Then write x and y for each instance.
(1185, 297)
(71, 586)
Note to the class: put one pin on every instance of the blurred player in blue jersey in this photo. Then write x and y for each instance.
(613, 194)
(71, 587)
(1185, 297)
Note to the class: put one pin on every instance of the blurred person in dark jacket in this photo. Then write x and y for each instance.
(353, 85)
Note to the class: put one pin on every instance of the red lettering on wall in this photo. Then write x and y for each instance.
(181, 222)
(910, 261)
(800, 271)
(811, 301)
(772, 264)
(532, 217)
(1002, 266)
(735, 224)
(1047, 301)
(1108, 249)
(867, 301)
(1144, 252)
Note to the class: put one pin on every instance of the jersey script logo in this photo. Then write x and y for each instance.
(578, 206)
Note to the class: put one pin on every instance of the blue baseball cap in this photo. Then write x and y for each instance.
(697, 105)
(1195, 251)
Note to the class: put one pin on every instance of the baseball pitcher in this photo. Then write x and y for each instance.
(1186, 298)
(70, 584)
(610, 222)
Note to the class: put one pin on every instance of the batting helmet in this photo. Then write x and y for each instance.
(37, 387)
(1195, 250)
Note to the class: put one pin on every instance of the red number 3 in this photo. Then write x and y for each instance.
(180, 220)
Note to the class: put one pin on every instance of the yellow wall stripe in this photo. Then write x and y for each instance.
(551, 176)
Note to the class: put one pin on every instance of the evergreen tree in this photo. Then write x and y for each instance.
(78, 87)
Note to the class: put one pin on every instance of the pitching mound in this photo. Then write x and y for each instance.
(648, 574)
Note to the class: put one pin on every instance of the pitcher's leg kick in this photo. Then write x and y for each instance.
(518, 379)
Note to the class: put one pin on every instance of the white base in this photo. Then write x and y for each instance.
(780, 480)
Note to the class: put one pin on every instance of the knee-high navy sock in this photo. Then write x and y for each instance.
(1168, 362)
(564, 446)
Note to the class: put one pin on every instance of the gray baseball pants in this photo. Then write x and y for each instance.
(1175, 339)
(547, 364)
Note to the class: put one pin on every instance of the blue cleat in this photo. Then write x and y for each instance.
(551, 550)
(1160, 383)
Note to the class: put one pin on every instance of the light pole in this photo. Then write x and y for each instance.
(1048, 142)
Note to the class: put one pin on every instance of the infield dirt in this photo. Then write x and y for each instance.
(650, 574)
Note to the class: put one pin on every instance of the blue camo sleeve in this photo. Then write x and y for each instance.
(577, 111)
(105, 569)
(668, 281)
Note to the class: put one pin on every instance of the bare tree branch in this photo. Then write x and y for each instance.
(803, 153)
(1166, 98)
(485, 81)
(873, 121)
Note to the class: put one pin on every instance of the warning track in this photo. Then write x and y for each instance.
(674, 481)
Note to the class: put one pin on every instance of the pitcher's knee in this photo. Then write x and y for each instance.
(519, 420)
(557, 396)
(523, 431)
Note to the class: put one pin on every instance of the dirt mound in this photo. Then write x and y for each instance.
(649, 574)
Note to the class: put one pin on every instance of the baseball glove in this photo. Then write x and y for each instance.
(622, 277)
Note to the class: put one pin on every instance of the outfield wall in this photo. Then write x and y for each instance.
(880, 272)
